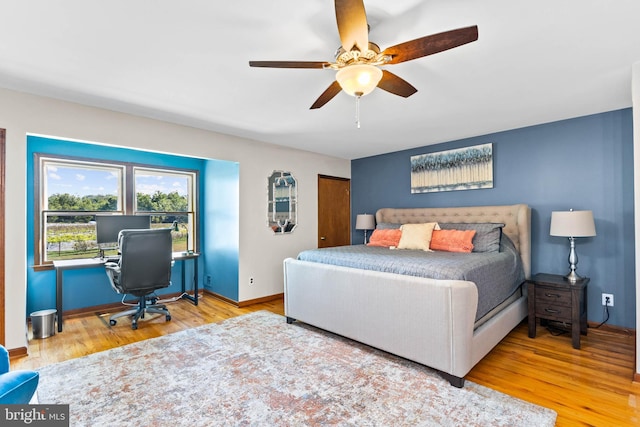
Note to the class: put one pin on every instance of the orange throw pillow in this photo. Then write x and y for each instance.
(452, 240)
(386, 238)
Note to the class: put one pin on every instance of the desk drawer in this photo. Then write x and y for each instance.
(545, 296)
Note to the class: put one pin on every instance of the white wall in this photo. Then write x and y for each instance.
(261, 252)
(635, 93)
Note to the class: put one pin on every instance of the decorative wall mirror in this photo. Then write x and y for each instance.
(282, 215)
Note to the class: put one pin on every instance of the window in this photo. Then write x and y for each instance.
(164, 195)
(71, 192)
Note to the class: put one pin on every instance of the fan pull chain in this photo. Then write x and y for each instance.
(358, 111)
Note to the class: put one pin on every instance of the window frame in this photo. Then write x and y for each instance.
(127, 196)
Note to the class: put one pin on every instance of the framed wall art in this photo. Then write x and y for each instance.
(467, 168)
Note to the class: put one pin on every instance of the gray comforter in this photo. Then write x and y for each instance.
(497, 275)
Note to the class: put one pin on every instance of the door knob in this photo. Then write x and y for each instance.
(323, 238)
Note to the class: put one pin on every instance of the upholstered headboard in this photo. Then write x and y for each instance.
(517, 220)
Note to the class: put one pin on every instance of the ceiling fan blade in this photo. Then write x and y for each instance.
(431, 44)
(396, 85)
(288, 64)
(327, 95)
(352, 24)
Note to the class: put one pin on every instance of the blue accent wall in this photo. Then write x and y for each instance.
(582, 163)
(222, 231)
(90, 287)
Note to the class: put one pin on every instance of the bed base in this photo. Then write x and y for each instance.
(428, 321)
(453, 380)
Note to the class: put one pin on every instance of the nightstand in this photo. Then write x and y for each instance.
(552, 297)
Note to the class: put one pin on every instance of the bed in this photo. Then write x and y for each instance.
(430, 321)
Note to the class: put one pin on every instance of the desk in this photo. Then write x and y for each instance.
(78, 264)
(183, 257)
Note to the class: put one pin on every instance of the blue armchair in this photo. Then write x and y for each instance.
(16, 387)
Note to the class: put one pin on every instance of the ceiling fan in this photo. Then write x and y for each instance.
(358, 60)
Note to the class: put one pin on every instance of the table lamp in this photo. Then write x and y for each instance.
(572, 224)
(365, 222)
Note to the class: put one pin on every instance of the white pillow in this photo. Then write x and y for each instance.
(417, 236)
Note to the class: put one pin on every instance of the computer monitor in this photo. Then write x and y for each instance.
(108, 226)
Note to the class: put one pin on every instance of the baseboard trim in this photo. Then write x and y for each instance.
(106, 308)
(611, 328)
(18, 352)
(260, 300)
(241, 304)
(221, 297)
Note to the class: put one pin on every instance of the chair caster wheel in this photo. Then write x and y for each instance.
(168, 317)
(112, 322)
(134, 326)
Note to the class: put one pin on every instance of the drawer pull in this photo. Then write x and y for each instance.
(551, 295)
(550, 310)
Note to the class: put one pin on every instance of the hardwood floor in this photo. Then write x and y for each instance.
(590, 386)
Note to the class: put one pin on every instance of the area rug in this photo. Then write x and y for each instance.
(256, 370)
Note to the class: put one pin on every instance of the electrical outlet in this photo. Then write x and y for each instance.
(208, 279)
(604, 299)
(251, 280)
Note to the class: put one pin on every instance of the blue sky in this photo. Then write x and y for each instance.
(94, 181)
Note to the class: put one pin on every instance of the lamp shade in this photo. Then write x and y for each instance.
(365, 222)
(359, 79)
(572, 224)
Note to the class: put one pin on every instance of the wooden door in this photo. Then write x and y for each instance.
(334, 211)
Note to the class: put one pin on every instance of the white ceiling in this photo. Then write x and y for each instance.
(187, 62)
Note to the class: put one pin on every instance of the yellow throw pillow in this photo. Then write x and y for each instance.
(416, 236)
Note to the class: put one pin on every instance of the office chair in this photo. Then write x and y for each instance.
(144, 266)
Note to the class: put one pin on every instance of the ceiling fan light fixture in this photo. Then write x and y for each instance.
(359, 79)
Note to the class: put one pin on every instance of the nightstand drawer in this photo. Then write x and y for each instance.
(553, 312)
(552, 296)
